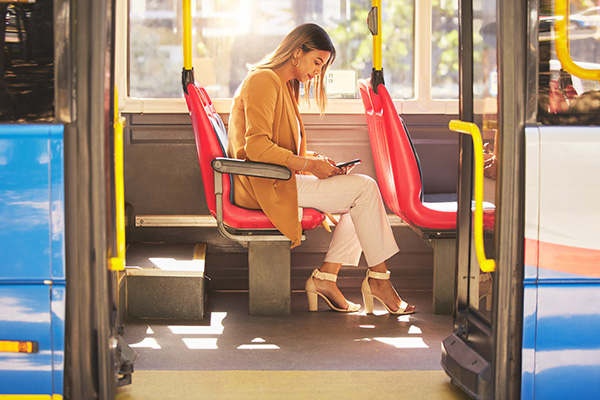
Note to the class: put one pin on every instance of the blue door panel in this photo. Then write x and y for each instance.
(32, 244)
(31, 202)
(25, 316)
(567, 358)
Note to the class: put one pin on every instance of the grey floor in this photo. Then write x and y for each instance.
(318, 355)
(230, 339)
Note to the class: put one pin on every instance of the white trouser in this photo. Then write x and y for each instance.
(363, 224)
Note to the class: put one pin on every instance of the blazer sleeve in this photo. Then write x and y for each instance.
(262, 93)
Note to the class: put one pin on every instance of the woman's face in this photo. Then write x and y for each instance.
(310, 64)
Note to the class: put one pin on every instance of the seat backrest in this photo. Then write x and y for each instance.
(210, 137)
(400, 172)
(381, 151)
(215, 118)
(406, 163)
(400, 169)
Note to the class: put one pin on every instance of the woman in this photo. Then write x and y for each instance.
(265, 125)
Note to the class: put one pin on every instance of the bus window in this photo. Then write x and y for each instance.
(444, 49)
(229, 35)
(485, 109)
(27, 62)
(563, 98)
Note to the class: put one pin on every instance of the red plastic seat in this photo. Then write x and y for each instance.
(211, 143)
(399, 172)
(397, 165)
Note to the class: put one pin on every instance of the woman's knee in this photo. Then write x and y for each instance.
(367, 184)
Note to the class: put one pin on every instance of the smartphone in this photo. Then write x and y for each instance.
(348, 163)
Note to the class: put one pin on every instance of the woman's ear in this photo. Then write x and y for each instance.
(298, 52)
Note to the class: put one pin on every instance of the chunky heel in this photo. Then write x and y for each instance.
(312, 301)
(368, 295)
(313, 295)
(368, 301)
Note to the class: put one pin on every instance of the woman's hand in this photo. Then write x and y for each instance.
(346, 170)
(323, 167)
(320, 166)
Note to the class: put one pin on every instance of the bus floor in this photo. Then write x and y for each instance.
(306, 355)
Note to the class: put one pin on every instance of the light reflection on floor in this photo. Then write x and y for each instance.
(216, 328)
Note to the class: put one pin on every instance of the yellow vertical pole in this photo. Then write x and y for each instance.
(374, 24)
(187, 34)
(377, 45)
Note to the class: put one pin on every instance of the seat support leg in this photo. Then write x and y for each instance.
(444, 276)
(269, 273)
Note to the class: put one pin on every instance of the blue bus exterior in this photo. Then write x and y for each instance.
(561, 318)
(32, 274)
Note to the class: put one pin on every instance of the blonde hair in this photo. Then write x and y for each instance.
(307, 37)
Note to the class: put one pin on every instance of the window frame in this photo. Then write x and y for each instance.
(421, 104)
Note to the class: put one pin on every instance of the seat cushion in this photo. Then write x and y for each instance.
(242, 218)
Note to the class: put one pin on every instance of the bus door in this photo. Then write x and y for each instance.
(482, 354)
(61, 202)
(561, 281)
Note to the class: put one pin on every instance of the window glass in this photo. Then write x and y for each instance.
(444, 49)
(565, 98)
(229, 34)
(485, 110)
(27, 62)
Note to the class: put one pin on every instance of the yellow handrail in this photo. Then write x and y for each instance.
(118, 263)
(470, 128)
(187, 34)
(561, 10)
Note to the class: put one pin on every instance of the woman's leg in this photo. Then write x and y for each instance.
(344, 247)
(363, 225)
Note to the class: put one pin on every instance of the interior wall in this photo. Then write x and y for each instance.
(162, 175)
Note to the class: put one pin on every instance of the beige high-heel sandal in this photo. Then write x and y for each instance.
(313, 295)
(368, 295)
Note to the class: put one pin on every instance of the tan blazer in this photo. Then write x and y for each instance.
(263, 126)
